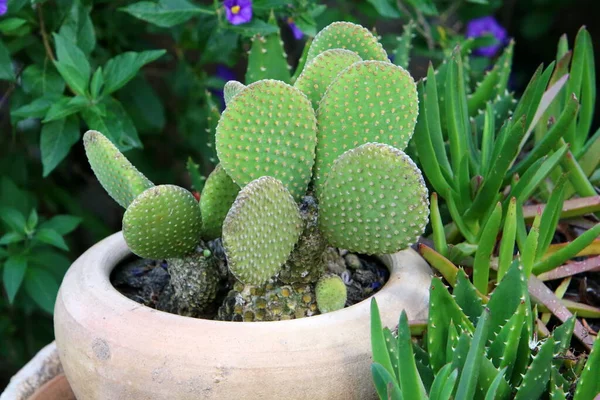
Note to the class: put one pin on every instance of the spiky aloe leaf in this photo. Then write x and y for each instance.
(331, 293)
(260, 230)
(213, 114)
(444, 383)
(348, 36)
(317, 75)
(460, 353)
(116, 174)
(466, 297)
(392, 346)
(452, 341)
(503, 350)
(411, 385)
(269, 129)
(589, 384)
(493, 389)
(442, 310)
(385, 384)
(231, 89)
(538, 374)
(370, 101)
(162, 222)
(374, 202)
(470, 371)
(402, 50)
(562, 337)
(556, 390)
(488, 377)
(267, 59)
(218, 195)
(379, 348)
(422, 361)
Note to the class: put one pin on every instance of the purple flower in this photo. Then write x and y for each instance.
(298, 34)
(3, 7)
(238, 11)
(487, 26)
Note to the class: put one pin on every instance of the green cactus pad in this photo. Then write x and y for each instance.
(162, 222)
(116, 174)
(231, 89)
(370, 101)
(216, 199)
(269, 130)
(374, 201)
(331, 293)
(317, 76)
(348, 36)
(260, 230)
(267, 58)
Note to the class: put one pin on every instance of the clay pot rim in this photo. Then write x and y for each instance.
(118, 251)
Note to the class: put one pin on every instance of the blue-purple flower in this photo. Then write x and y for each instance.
(238, 11)
(298, 34)
(3, 7)
(487, 26)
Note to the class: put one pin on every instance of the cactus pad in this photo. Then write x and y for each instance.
(348, 36)
(267, 59)
(162, 222)
(116, 174)
(370, 101)
(317, 76)
(216, 199)
(374, 201)
(260, 230)
(269, 130)
(331, 293)
(231, 89)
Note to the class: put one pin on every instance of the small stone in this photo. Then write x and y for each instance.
(364, 277)
(352, 261)
(335, 263)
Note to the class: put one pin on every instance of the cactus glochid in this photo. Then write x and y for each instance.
(302, 169)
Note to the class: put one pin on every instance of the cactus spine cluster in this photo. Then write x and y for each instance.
(302, 168)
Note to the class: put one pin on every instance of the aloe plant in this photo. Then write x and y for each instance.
(302, 168)
(478, 351)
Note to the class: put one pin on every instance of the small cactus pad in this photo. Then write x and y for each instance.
(267, 59)
(162, 222)
(348, 36)
(231, 89)
(331, 293)
(116, 174)
(374, 201)
(317, 76)
(269, 129)
(370, 101)
(260, 230)
(216, 199)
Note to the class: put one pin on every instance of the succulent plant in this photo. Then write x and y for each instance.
(302, 168)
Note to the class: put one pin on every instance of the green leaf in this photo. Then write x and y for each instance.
(166, 13)
(11, 237)
(32, 221)
(78, 27)
(36, 109)
(538, 374)
(42, 80)
(427, 7)
(56, 140)
(122, 68)
(51, 237)
(196, 177)
(42, 287)
(503, 349)
(113, 121)
(254, 27)
(143, 105)
(386, 8)
(467, 298)
(72, 64)
(63, 224)
(12, 276)
(493, 389)
(385, 384)
(13, 26)
(550, 217)
(64, 107)
(378, 346)
(589, 385)
(14, 219)
(443, 384)
(6, 69)
(411, 385)
(97, 83)
(485, 247)
(470, 372)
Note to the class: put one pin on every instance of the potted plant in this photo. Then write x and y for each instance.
(304, 170)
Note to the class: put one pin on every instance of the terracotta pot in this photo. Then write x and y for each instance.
(114, 348)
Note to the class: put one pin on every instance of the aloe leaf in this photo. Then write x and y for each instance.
(461, 351)
(589, 384)
(386, 386)
(437, 226)
(458, 217)
(577, 176)
(470, 372)
(493, 389)
(467, 297)
(562, 338)
(507, 244)
(529, 250)
(444, 383)
(538, 374)
(583, 84)
(567, 252)
(488, 375)
(378, 344)
(487, 242)
(452, 341)
(432, 109)
(556, 391)
(411, 385)
(503, 350)
(442, 310)
(392, 347)
(464, 184)
(487, 140)
(422, 362)
(587, 157)
(550, 217)
(440, 263)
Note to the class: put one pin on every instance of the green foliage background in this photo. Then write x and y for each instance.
(149, 75)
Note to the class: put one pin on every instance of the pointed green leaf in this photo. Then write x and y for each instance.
(56, 140)
(51, 237)
(444, 383)
(538, 374)
(411, 385)
(121, 69)
(6, 68)
(72, 64)
(503, 349)
(42, 287)
(12, 276)
(385, 384)
(378, 346)
(166, 13)
(63, 224)
(64, 107)
(485, 247)
(588, 385)
(470, 372)
(467, 298)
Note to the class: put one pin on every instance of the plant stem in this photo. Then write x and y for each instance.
(44, 33)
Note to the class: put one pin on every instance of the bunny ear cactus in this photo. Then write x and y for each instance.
(331, 293)
(217, 196)
(231, 89)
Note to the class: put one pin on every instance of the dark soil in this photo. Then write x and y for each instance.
(146, 281)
